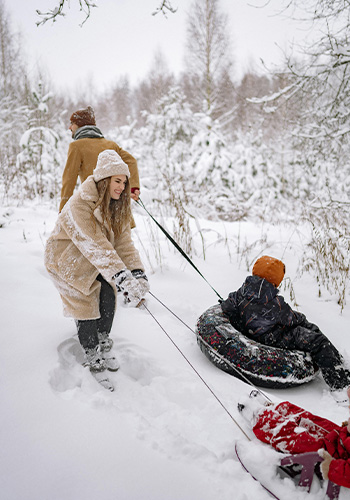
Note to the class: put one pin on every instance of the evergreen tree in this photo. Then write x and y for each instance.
(39, 160)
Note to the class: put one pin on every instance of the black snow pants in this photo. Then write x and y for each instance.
(307, 337)
(90, 329)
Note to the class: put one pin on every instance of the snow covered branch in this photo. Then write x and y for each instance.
(53, 14)
(86, 6)
(164, 7)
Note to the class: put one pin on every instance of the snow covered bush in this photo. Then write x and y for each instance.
(327, 255)
(38, 173)
(38, 162)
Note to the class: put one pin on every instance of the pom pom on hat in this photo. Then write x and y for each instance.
(270, 269)
(108, 164)
(83, 117)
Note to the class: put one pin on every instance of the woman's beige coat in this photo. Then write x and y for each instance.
(80, 248)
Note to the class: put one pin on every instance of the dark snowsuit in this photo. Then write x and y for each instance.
(257, 311)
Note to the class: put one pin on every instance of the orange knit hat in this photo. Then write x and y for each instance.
(270, 269)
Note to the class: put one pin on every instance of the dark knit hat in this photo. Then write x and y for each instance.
(270, 269)
(83, 117)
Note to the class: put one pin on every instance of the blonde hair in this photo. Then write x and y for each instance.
(115, 213)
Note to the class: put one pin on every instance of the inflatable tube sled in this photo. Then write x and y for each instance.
(234, 353)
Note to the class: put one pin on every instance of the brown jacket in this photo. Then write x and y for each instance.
(82, 158)
(80, 248)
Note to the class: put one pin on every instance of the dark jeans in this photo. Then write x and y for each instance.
(89, 329)
(308, 338)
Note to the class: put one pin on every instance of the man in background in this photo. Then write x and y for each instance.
(88, 143)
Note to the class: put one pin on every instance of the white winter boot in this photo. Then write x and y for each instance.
(108, 355)
(250, 407)
(97, 365)
(94, 359)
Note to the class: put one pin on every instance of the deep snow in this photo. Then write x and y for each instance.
(161, 434)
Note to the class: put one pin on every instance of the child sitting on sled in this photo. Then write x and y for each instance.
(291, 429)
(259, 312)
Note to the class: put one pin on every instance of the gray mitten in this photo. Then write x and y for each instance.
(129, 286)
(142, 280)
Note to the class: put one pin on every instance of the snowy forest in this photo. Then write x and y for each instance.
(272, 149)
(233, 168)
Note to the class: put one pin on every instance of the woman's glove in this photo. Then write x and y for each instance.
(142, 280)
(129, 286)
(327, 458)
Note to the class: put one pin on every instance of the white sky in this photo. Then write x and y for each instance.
(121, 38)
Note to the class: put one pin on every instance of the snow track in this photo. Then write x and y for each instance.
(161, 434)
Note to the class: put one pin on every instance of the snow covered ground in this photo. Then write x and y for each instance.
(161, 435)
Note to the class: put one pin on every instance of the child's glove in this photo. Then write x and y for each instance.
(129, 286)
(327, 458)
(142, 280)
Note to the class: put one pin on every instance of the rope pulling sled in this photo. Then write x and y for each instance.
(307, 461)
(242, 357)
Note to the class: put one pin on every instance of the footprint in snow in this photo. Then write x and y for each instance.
(68, 374)
(136, 365)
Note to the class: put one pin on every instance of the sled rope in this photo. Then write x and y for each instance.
(177, 246)
(172, 312)
(224, 360)
(196, 372)
(216, 353)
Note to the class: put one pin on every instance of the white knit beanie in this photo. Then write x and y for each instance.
(108, 164)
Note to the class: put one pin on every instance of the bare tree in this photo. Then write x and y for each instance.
(12, 70)
(208, 59)
(320, 82)
(115, 108)
(14, 91)
(250, 116)
(153, 87)
(319, 85)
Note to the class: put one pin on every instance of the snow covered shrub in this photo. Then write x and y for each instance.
(328, 253)
(181, 224)
(127, 137)
(162, 188)
(12, 117)
(166, 140)
(38, 162)
(212, 169)
(257, 179)
(185, 157)
(38, 173)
